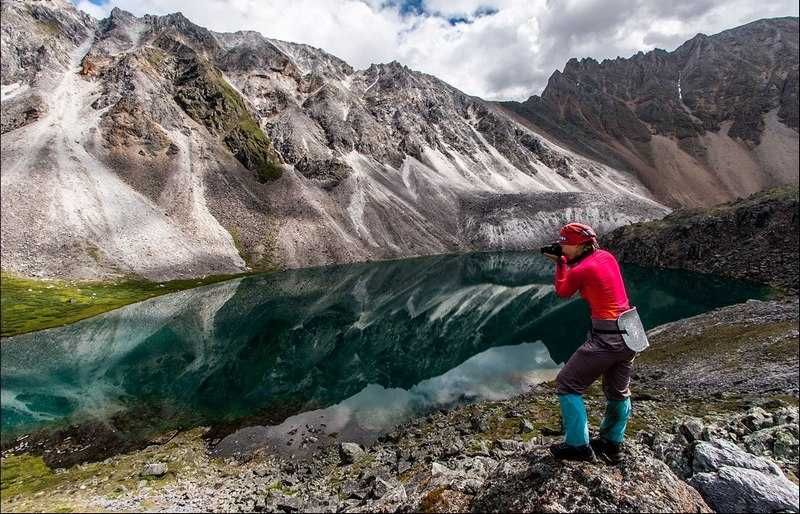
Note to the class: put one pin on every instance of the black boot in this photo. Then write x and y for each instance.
(563, 451)
(608, 451)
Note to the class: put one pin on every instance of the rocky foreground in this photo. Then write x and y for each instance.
(715, 428)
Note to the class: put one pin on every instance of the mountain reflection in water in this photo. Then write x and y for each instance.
(365, 345)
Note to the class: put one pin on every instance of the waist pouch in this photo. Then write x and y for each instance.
(630, 327)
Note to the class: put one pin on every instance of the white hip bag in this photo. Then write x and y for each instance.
(632, 330)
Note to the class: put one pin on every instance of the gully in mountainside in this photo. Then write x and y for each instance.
(582, 266)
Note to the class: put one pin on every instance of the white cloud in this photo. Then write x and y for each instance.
(508, 54)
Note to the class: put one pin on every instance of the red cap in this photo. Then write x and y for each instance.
(576, 234)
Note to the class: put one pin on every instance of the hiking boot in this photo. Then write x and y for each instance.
(563, 451)
(608, 451)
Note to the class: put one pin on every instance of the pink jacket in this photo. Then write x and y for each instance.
(599, 281)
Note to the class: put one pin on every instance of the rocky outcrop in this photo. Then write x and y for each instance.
(754, 238)
(712, 120)
(204, 95)
(538, 484)
(36, 40)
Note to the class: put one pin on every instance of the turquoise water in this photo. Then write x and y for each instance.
(362, 346)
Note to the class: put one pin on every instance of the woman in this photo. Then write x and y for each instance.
(595, 273)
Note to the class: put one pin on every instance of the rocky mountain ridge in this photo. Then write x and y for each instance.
(236, 152)
(755, 238)
(715, 119)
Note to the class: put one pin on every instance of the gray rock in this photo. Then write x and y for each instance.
(786, 416)
(391, 501)
(525, 426)
(786, 446)
(403, 466)
(469, 486)
(711, 456)
(453, 448)
(692, 429)
(154, 469)
(746, 490)
(670, 449)
(509, 445)
(438, 470)
(351, 489)
(350, 452)
(757, 419)
(762, 442)
(380, 487)
(480, 424)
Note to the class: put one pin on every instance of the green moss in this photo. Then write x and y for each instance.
(29, 485)
(237, 242)
(155, 56)
(26, 475)
(23, 473)
(278, 487)
(28, 304)
(205, 96)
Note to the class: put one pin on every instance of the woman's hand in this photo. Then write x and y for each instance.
(554, 258)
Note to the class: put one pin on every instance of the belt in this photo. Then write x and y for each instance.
(606, 326)
(601, 331)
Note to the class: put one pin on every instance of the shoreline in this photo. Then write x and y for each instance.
(433, 458)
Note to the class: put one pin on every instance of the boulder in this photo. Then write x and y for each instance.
(757, 419)
(691, 428)
(381, 487)
(786, 446)
(731, 489)
(762, 442)
(350, 452)
(711, 456)
(538, 483)
(391, 501)
(154, 469)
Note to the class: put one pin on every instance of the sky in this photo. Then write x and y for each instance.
(495, 49)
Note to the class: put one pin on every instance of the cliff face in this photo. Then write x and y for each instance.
(714, 119)
(755, 238)
(163, 149)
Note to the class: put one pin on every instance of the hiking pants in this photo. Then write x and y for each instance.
(603, 355)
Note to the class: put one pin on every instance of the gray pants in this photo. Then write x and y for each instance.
(603, 355)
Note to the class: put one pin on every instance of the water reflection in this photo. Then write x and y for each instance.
(403, 335)
(494, 374)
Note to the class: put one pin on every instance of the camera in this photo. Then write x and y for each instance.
(551, 249)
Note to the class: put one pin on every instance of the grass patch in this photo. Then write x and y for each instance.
(28, 485)
(23, 474)
(780, 350)
(719, 341)
(278, 487)
(29, 304)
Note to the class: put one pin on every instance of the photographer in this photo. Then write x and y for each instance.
(582, 266)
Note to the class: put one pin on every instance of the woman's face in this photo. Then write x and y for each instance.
(571, 251)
